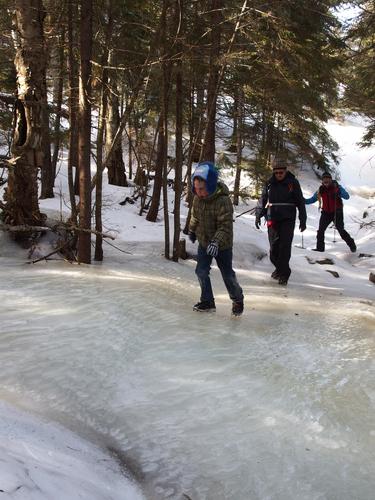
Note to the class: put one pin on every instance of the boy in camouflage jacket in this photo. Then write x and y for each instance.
(212, 224)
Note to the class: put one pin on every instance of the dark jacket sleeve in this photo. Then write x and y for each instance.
(260, 210)
(300, 202)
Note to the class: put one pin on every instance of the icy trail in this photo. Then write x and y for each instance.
(276, 405)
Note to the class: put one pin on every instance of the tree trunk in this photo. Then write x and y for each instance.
(195, 146)
(178, 164)
(84, 237)
(208, 149)
(158, 179)
(58, 93)
(239, 144)
(116, 166)
(47, 173)
(160, 166)
(100, 136)
(21, 195)
(73, 106)
(130, 152)
(99, 177)
(197, 94)
(233, 141)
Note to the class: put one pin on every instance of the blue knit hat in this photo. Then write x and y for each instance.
(207, 171)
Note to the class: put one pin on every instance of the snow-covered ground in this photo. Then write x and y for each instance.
(278, 404)
(42, 461)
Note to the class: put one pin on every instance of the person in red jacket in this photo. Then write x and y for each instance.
(330, 196)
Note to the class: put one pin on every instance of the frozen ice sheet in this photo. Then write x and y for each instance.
(276, 405)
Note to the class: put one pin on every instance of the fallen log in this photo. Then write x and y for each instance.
(39, 229)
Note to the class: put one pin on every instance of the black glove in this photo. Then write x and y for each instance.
(192, 236)
(302, 226)
(257, 221)
(213, 248)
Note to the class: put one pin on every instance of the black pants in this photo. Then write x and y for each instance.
(280, 236)
(325, 220)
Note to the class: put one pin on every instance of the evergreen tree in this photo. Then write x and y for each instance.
(360, 73)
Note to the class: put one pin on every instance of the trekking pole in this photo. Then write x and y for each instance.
(334, 223)
(251, 211)
(303, 246)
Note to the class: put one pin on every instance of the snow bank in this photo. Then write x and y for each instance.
(43, 461)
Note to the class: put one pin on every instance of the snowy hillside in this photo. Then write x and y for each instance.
(275, 405)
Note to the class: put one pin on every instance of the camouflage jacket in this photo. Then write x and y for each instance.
(212, 218)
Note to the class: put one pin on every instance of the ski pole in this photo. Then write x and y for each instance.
(334, 224)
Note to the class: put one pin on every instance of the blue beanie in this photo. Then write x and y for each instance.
(207, 171)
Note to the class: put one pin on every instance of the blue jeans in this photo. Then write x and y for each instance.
(224, 262)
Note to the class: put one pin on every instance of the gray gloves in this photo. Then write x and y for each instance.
(212, 248)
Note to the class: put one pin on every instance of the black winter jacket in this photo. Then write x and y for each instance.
(280, 199)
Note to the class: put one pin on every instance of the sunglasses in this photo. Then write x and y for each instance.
(279, 172)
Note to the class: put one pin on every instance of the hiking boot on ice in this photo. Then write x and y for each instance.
(204, 306)
(237, 308)
(283, 281)
(317, 250)
(275, 275)
(353, 247)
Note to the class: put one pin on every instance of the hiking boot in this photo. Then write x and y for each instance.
(283, 281)
(275, 275)
(317, 250)
(353, 247)
(237, 308)
(204, 306)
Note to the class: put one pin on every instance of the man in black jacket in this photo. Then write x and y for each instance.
(280, 197)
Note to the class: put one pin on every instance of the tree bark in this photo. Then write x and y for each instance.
(84, 140)
(100, 136)
(233, 141)
(99, 177)
(73, 105)
(21, 195)
(178, 164)
(239, 144)
(160, 166)
(58, 92)
(130, 152)
(116, 166)
(208, 149)
(47, 173)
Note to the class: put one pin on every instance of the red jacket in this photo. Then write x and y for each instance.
(331, 199)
